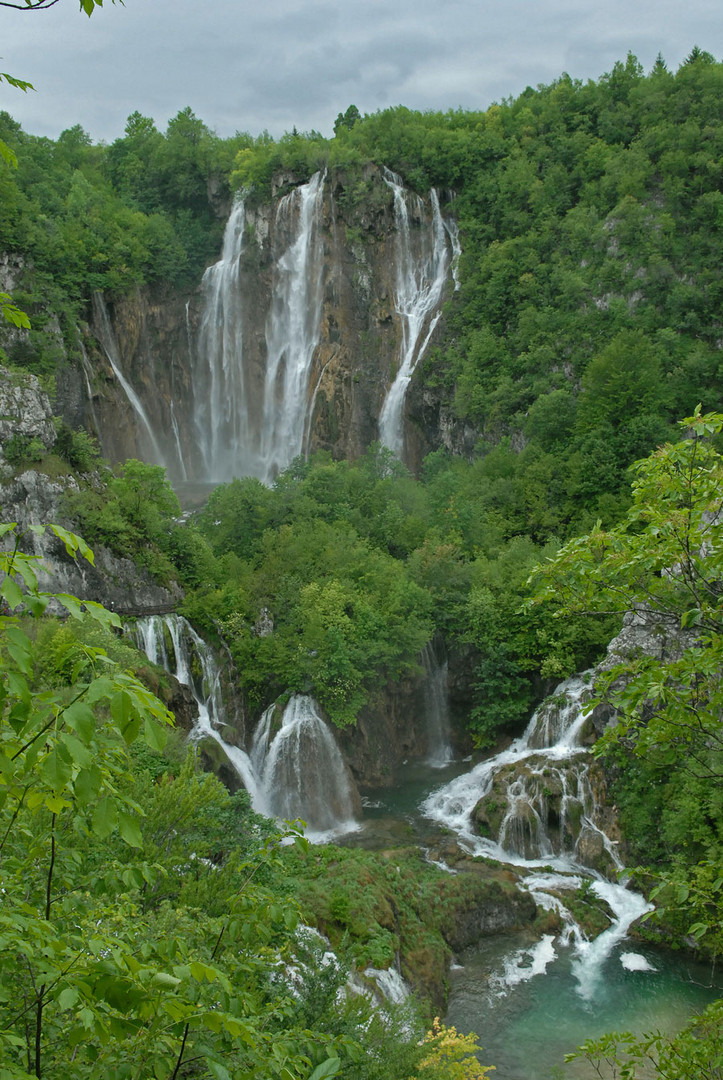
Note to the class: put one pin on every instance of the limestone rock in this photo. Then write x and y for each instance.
(24, 409)
(32, 498)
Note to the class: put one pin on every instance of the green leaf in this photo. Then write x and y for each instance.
(155, 735)
(105, 817)
(87, 784)
(18, 687)
(12, 80)
(217, 1070)
(129, 830)
(80, 717)
(327, 1069)
(56, 804)
(56, 769)
(11, 592)
(67, 998)
(166, 981)
(121, 709)
(72, 604)
(78, 751)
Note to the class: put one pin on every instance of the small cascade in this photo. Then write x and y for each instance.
(294, 772)
(392, 986)
(183, 472)
(533, 805)
(177, 440)
(436, 706)
(252, 423)
(422, 257)
(108, 341)
(453, 232)
(301, 771)
(171, 642)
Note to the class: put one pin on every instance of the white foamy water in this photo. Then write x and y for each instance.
(548, 755)
(635, 962)
(425, 247)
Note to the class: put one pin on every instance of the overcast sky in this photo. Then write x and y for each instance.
(251, 65)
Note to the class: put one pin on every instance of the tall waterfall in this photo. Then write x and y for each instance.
(294, 772)
(251, 423)
(424, 249)
(220, 395)
(534, 805)
(110, 347)
(292, 327)
(301, 770)
(436, 706)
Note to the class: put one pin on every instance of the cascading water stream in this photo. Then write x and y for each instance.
(292, 327)
(436, 707)
(89, 375)
(251, 424)
(110, 347)
(294, 772)
(422, 257)
(220, 394)
(542, 778)
(186, 646)
(301, 771)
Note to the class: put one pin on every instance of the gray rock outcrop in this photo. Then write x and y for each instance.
(32, 498)
(25, 410)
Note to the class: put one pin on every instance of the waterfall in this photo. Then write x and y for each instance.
(220, 395)
(436, 707)
(422, 258)
(292, 327)
(89, 374)
(392, 986)
(295, 772)
(192, 662)
(535, 806)
(174, 423)
(250, 423)
(301, 770)
(110, 347)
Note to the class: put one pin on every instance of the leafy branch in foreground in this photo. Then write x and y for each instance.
(129, 952)
(664, 566)
(696, 1053)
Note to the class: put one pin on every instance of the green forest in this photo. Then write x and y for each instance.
(583, 347)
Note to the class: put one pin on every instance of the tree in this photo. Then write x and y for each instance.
(103, 973)
(8, 308)
(62, 756)
(347, 120)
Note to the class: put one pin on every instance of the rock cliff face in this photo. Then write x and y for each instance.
(171, 376)
(24, 410)
(389, 729)
(32, 498)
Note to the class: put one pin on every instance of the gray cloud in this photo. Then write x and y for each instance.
(286, 63)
